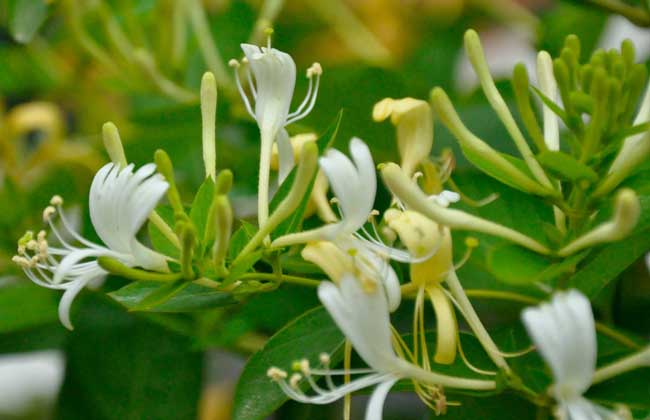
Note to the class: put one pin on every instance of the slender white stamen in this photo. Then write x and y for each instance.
(235, 64)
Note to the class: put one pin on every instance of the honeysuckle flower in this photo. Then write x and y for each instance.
(353, 256)
(354, 185)
(360, 310)
(272, 84)
(414, 122)
(427, 240)
(120, 202)
(564, 333)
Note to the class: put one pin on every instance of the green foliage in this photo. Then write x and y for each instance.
(26, 17)
(170, 297)
(307, 336)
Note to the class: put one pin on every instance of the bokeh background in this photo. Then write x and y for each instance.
(68, 66)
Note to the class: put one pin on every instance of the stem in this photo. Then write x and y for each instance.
(623, 365)
(208, 48)
(499, 295)
(302, 281)
(263, 183)
(475, 322)
(634, 14)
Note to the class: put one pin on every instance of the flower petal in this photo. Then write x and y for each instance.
(68, 297)
(375, 406)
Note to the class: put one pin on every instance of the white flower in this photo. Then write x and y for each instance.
(272, 84)
(354, 185)
(120, 202)
(565, 335)
(360, 310)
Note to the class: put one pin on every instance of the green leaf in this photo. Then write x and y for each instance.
(608, 262)
(515, 265)
(314, 332)
(240, 238)
(25, 305)
(494, 171)
(119, 366)
(26, 17)
(160, 295)
(292, 223)
(190, 298)
(201, 207)
(243, 266)
(566, 167)
(159, 242)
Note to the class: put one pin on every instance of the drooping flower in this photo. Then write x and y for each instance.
(120, 202)
(564, 333)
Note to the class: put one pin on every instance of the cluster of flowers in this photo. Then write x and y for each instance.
(354, 249)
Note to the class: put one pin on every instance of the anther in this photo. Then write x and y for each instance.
(48, 213)
(471, 242)
(314, 70)
(324, 358)
(304, 366)
(233, 63)
(32, 245)
(21, 261)
(56, 200)
(276, 374)
(295, 380)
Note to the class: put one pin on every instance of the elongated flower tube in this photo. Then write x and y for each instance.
(414, 122)
(354, 185)
(272, 84)
(408, 192)
(120, 202)
(565, 335)
(360, 310)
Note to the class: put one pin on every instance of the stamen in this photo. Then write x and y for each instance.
(471, 243)
(276, 374)
(314, 70)
(56, 201)
(235, 65)
(471, 366)
(251, 85)
(48, 213)
(294, 381)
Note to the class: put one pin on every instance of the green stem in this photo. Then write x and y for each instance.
(626, 364)
(115, 267)
(634, 14)
(302, 281)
